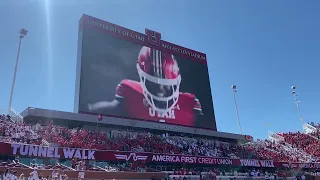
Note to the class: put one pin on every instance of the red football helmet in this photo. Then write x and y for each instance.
(160, 78)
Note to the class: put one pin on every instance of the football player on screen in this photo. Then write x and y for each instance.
(156, 97)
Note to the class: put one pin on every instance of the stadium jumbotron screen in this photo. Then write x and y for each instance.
(139, 76)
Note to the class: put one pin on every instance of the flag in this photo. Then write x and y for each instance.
(100, 118)
(23, 32)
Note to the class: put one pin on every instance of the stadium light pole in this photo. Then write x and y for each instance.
(234, 90)
(294, 93)
(22, 34)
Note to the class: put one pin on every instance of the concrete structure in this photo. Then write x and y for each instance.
(34, 115)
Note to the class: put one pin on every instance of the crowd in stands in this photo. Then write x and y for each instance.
(15, 132)
(143, 142)
(296, 147)
(303, 141)
(147, 142)
(14, 174)
(213, 173)
(293, 147)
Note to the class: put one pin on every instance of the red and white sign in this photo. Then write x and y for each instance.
(51, 152)
(256, 163)
(29, 150)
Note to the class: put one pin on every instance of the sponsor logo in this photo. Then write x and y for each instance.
(134, 157)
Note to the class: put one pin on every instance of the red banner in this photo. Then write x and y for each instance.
(68, 153)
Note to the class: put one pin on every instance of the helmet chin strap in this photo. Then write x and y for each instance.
(152, 104)
(162, 111)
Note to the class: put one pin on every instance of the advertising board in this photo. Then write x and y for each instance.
(35, 151)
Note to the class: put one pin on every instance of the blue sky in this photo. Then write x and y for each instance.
(263, 47)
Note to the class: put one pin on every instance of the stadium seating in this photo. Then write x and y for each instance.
(146, 142)
(14, 132)
(309, 143)
(296, 147)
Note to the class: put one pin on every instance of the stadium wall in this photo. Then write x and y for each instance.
(36, 114)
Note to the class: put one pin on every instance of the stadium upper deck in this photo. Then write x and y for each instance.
(34, 115)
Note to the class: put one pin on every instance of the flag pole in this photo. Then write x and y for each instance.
(22, 34)
(234, 90)
(294, 93)
(97, 125)
(98, 119)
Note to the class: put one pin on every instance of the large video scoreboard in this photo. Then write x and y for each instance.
(123, 73)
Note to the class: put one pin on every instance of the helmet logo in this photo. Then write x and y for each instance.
(154, 38)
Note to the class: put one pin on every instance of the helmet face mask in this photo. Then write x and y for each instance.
(159, 78)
